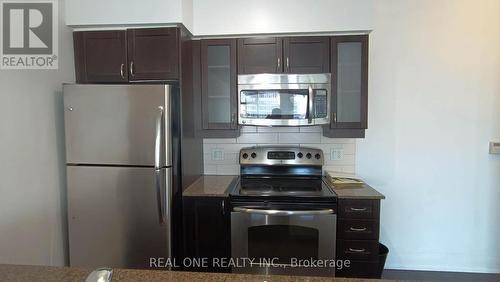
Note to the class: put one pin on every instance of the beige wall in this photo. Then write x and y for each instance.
(434, 106)
(32, 224)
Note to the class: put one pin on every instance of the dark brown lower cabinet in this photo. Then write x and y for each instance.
(207, 231)
(358, 237)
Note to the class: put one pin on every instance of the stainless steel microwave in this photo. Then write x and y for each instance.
(284, 99)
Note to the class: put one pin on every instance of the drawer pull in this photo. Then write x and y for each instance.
(358, 209)
(358, 229)
(357, 250)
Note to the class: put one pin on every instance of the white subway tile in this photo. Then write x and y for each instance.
(334, 168)
(209, 169)
(218, 140)
(234, 148)
(346, 160)
(277, 145)
(258, 138)
(248, 129)
(349, 169)
(228, 169)
(301, 138)
(227, 158)
(277, 129)
(327, 140)
(324, 147)
(221, 155)
(316, 128)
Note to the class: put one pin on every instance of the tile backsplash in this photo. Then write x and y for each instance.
(221, 155)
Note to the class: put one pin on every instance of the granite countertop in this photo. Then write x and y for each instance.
(219, 186)
(364, 191)
(211, 186)
(50, 273)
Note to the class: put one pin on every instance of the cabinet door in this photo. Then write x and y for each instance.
(218, 85)
(100, 56)
(207, 229)
(349, 68)
(306, 54)
(260, 55)
(153, 53)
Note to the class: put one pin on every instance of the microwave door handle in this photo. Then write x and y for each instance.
(311, 107)
(283, 212)
(157, 166)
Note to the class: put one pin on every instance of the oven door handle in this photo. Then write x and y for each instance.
(283, 212)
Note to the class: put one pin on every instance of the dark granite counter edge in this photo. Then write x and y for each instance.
(370, 193)
(224, 194)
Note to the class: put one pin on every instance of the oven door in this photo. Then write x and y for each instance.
(284, 99)
(283, 241)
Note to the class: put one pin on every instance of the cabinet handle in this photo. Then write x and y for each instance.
(122, 74)
(279, 63)
(334, 117)
(357, 250)
(287, 64)
(223, 208)
(358, 209)
(132, 68)
(358, 229)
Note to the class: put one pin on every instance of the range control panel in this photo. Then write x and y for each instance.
(281, 156)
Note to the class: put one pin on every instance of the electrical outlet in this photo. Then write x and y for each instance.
(494, 147)
(217, 154)
(336, 154)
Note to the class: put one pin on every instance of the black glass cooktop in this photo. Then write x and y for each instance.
(282, 188)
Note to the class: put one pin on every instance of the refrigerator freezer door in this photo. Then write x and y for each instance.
(113, 216)
(117, 124)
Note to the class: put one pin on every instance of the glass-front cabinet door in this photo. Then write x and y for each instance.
(218, 84)
(349, 66)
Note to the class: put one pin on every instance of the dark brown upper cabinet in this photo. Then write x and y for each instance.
(284, 55)
(260, 55)
(306, 54)
(100, 56)
(123, 56)
(153, 54)
(218, 94)
(349, 103)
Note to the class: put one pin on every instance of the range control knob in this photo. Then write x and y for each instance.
(300, 155)
(245, 155)
(308, 155)
(253, 155)
(317, 156)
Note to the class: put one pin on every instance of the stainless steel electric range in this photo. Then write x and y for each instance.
(283, 218)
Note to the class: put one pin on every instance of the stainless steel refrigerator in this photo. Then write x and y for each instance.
(123, 167)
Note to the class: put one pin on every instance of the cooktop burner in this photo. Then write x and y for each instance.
(278, 188)
(281, 174)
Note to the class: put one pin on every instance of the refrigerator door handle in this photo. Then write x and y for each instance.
(158, 178)
(159, 196)
(158, 134)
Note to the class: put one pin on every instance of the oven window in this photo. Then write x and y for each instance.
(283, 242)
(274, 104)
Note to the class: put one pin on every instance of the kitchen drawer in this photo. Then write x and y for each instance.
(359, 208)
(359, 269)
(357, 249)
(364, 229)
